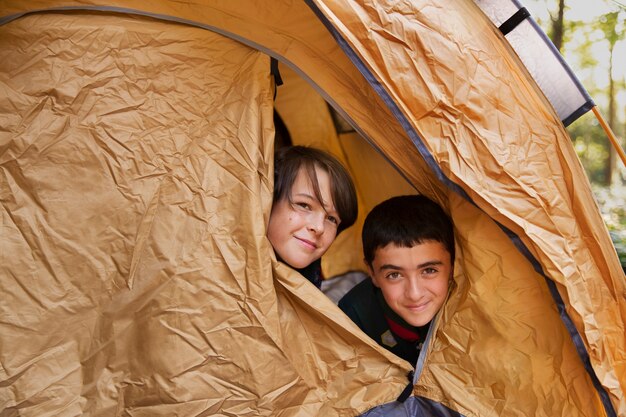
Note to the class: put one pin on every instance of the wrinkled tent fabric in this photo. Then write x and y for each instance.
(528, 178)
(157, 298)
(135, 190)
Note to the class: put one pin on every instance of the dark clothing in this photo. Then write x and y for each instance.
(313, 272)
(366, 306)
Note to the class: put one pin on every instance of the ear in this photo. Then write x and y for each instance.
(370, 272)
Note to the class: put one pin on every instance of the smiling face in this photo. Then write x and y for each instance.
(414, 281)
(302, 230)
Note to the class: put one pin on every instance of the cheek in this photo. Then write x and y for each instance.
(280, 219)
(272, 235)
(440, 287)
(329, 238)
(275, 227)
(392, 293)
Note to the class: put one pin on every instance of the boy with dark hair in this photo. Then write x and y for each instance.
(408, 244)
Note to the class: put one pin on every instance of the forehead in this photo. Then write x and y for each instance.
(303, 185)
(306, 172)
(426, 251)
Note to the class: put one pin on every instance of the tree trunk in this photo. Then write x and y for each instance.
(557, 26)
(610, 164)
(611, 171)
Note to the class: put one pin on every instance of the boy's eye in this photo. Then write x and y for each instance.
(393, 276)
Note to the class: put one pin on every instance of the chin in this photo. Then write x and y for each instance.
(418, 322)
(299, 264)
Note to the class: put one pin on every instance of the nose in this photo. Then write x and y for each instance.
(316, 222)
(412, 289)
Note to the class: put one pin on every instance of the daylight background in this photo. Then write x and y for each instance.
(591, 35)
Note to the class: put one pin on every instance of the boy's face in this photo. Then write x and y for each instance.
(414, 281)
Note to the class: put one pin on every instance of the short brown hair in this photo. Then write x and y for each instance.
(287, 163)
(406, 221)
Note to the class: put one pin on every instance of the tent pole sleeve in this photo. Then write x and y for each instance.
(610, 134)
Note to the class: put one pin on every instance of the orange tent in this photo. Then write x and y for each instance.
(136, 181)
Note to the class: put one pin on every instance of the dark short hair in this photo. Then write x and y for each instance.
(406, 221)
(287, 163)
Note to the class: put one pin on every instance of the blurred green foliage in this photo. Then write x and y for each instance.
(612, 203)
(591, 144)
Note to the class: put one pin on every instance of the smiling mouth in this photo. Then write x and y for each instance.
(307, 243)
(418, 308)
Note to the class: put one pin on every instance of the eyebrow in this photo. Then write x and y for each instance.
(311, 196)
(420, 266)
(333, 210)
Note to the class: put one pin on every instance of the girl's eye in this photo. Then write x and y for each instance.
(430, 271)
(302, 205)
(333, 220)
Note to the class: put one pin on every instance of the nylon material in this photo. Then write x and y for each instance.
(418, 103)
(37, 396)
(528, 106)
(517, 173)
(413, 406)
(464, 111)
(558, 225)
(382, 127)
(305, 113)
(613, 330)
(206, 366)
(501, 335)
(338, 372)
(222, 335)
(161, 348)
(377, 184)
(304, 42)
(382, 35)
(397, 62)
(73, 172)
(546, 69)
(498, 11)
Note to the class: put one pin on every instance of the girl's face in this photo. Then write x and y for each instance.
(302, 230)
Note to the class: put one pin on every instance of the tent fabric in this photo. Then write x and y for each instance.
(136, 186)
(545, 194)
(542, 60)
(476, 353)
(132, 284)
